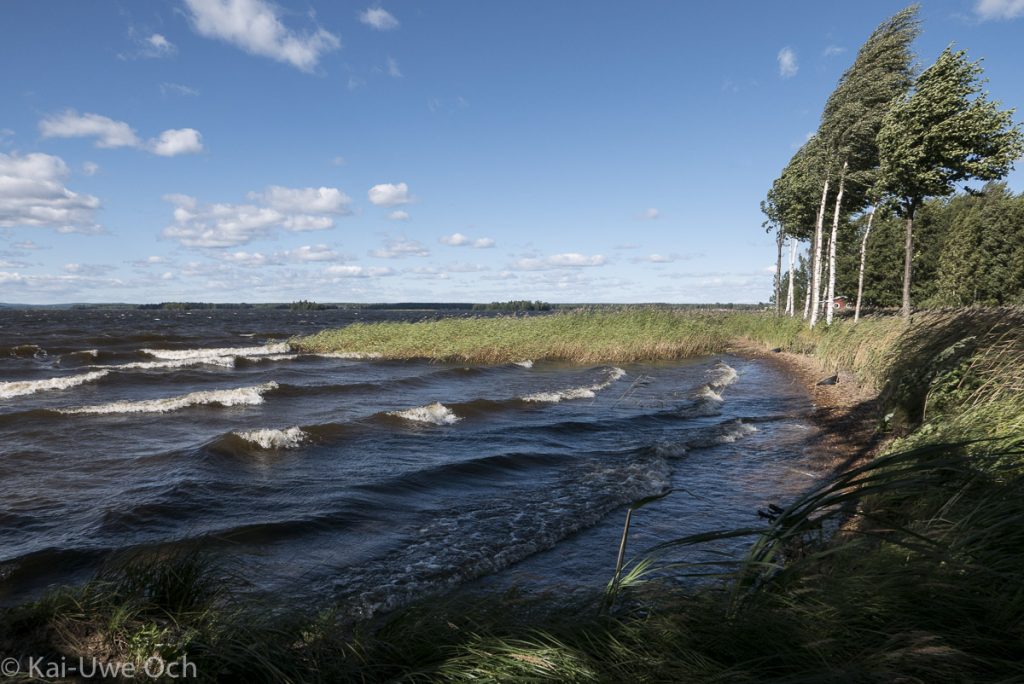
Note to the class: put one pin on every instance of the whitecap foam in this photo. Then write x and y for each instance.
(525, 363)
(576, 392)
(239, 396)
(436, 413)
(204, 353)
(723, 375)
(19, 388)
(709, 394)
(270, 438)
(223, 361)
(271, 357)
(350, 355)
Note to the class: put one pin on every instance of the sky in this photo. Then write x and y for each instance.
(576, 151)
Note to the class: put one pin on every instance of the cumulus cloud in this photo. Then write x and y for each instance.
(111, 134)
(568, 260)
(389, 194)
(399, 215)
(354, 271)
(309, 253)
(254, 26)
(159, 46)
(788, 65)
(177, 141)
(234, 225)
(378, 18)
(107, 132)
(398, 248)
(460, 240)
(999, 9)
(32, 193)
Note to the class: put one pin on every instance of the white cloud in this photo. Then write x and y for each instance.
(484, 243)
(660, 258)
(833, 51)
(110, 134)
(650, 214)
(245, 258)
(234, 225)
(32, 193)
(159, 46)
(378, 18)
(90, 168)
(393, 70)
(389, 194)
(999, 9)
(254, 26)
(569, 260)
(71, 124)
(309, 253)
(55, 284)
(177, 89)
(353, 271)
(400, 247)
(304, 200)
(788, 65)
(91, 270)
(177, 141)
(460, 240)
(398, 215)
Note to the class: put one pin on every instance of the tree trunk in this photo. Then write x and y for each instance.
(807, 298)
(863, 259)
(779, 239)
(816, 268)
(790, 303)
(908, 259)
(831, 298)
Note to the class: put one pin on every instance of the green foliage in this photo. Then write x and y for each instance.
(514, 305)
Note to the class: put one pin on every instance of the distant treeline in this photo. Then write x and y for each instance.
(514, 305)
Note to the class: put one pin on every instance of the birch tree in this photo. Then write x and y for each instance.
(943, 133)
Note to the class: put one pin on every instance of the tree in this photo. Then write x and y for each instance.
(853, 116)
(944, 133)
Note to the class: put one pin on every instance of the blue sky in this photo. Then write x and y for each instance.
(240, 150)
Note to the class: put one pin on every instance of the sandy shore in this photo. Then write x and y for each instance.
(846, 413)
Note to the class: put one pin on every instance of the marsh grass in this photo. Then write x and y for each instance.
(907, 568)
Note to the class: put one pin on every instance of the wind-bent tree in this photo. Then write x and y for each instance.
(853, 115)
(945, 132)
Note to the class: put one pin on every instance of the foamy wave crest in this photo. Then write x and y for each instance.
(350, 355)
(525, 363)
(722, 375)
(272, 357)
(436, 413)
(181, 354)
(240, 396)
(576, 392)
(709, 394)
(9, 390)
(223, 361)
(268, 438)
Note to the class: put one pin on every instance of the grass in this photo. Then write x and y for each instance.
(907, 568)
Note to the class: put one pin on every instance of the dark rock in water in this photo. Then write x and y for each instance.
(777, 350)
(829, 381)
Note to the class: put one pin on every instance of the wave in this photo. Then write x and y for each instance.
(206, 353)
(705, 438)
(25, 351)
(525, 363)
(269, 438)
(240, 396)
(222, 361)
(723, 375)
(9, 390)
(436, 413)
(349, 355)
(588, 392)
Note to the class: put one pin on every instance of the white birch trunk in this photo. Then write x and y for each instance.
(816, 266)
(807, 298)
(790, 303)
(863, 258)
(831, 298)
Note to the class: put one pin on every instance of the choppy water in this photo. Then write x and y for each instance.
(368, 481)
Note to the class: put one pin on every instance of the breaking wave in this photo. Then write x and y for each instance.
(18, 388)
(240, 396)
(525, 363)
(588, 392)
(207, 353)
(269, 438)
(436, 413)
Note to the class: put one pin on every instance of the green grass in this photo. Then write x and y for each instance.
(923, 582)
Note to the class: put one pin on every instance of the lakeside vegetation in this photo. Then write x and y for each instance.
(921, 581)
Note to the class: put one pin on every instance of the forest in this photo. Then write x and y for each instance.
(896, 199)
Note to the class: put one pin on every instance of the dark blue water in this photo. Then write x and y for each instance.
(369, 481)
